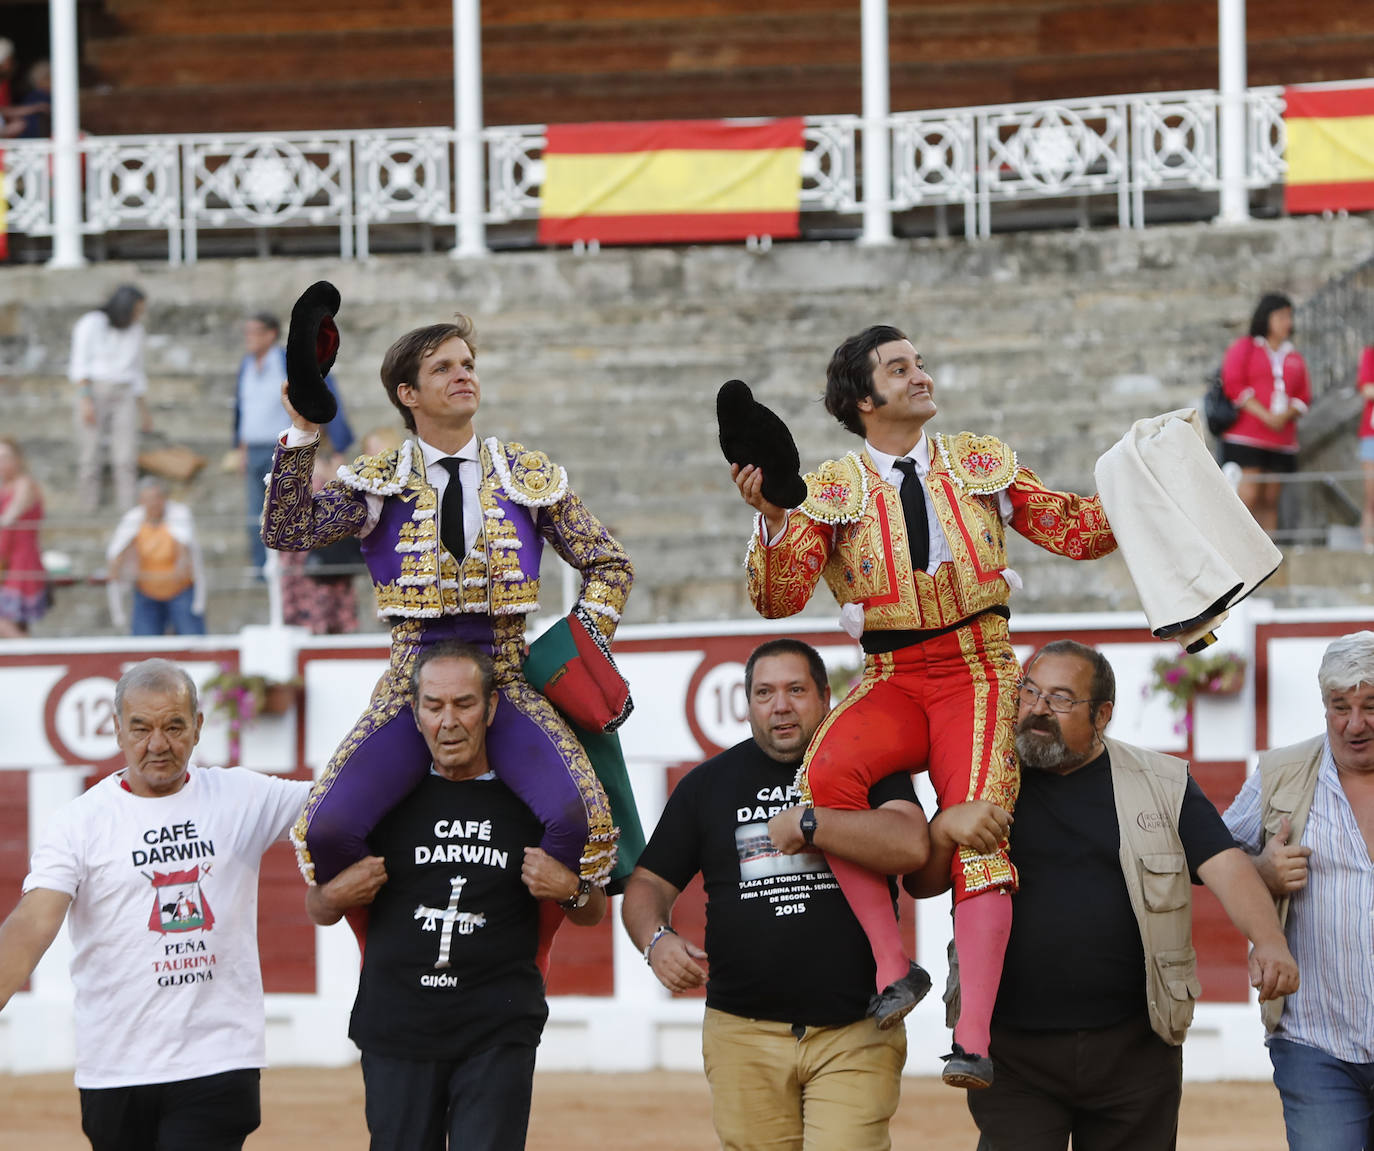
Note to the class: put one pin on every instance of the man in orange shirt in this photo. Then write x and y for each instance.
(154, 546)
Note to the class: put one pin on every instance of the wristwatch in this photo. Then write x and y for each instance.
(579, 898)
(808, 825)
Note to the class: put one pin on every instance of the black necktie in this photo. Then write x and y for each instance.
(914, 512)
(451, 514)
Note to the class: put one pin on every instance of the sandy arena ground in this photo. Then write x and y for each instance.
(661, 1111)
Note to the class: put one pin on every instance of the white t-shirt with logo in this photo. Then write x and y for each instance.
(164, 921)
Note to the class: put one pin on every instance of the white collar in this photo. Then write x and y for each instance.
(432, 455)
(884, 463)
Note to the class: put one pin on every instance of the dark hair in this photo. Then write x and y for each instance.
(267, 320)
(1270, 303)
(119, 308)
(787, 646)
(1104, 679)
(453, 649)
(849, 378)
(401, 363)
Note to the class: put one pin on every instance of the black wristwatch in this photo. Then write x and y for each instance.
(579, 898)
(808, 825)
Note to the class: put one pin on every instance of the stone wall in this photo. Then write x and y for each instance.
(610, 362)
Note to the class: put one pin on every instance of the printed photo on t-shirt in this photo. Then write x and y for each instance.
(759, 859)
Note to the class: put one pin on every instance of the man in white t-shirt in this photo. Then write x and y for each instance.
(158, 866)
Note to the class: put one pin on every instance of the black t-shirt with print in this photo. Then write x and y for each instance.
(1075, 960)
(782, 942)
(449, 969)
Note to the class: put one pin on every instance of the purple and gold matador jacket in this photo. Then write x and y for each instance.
(525, 500)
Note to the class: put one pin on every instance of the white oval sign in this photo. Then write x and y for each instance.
(721, 705)
(84, 719)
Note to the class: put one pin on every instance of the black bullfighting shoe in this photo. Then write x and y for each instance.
(965, 1070)
(889, 1006)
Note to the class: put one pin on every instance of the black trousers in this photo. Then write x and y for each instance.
(1114, 1088)
(212, 1113)
(481, 1103)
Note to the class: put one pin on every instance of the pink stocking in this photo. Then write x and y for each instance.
(871, 901)
(982, 925)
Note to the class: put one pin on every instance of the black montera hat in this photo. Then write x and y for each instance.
(311, 345)
(752, 434)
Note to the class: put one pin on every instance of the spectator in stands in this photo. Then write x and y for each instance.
(257, 417)
(1306, 815)
(32, 117)
(451, 1004)
(1100, 977)
(6, 69)
(1267, 381)
(154, 547)
(111, 386)
(1365, 385)
(23, 587)
(791, 1056)
(316, 591)
(188, 971)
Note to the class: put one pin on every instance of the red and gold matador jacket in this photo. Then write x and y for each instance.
(850, 529)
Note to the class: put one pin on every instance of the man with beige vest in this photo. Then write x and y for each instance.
(1307, 816)
(1106, 839)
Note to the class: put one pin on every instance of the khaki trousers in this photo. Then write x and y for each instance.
(116, 424)
(776, 1088)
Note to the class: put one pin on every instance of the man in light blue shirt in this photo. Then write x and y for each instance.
(1306, 815)
(257, 417)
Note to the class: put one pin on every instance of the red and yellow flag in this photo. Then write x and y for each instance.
(670, 181)
(1330, 149)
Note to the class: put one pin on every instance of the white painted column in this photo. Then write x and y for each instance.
(467, 114)
(66, 169)
(877, 167)
(1235, 197)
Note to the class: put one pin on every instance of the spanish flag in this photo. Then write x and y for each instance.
(671, 181)
(1330, 149)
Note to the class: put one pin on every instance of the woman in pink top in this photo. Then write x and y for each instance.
(1364, 382)
(23, 586)
(1267, 381)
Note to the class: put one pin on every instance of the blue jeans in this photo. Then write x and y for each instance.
(254, 490)
(1328, 1104)
(152, 616)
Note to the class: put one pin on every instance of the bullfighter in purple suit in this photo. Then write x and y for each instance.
(451, 528)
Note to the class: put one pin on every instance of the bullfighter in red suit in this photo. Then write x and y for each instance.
(909, 535)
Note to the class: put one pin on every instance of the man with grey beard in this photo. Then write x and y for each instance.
(1106, 840)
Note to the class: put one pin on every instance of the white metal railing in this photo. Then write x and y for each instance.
(971, 158)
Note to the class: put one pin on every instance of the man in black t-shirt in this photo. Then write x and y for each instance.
(450, 1004)
(789, 1050)
(1100, 977)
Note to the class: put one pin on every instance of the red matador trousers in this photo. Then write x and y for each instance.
(947, 705)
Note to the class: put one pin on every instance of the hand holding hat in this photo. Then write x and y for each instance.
(751, 434)
(312, 342)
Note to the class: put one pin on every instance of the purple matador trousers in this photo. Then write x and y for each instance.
(384, 757)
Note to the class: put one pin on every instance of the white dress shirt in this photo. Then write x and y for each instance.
(469, 472)
(886, 466)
